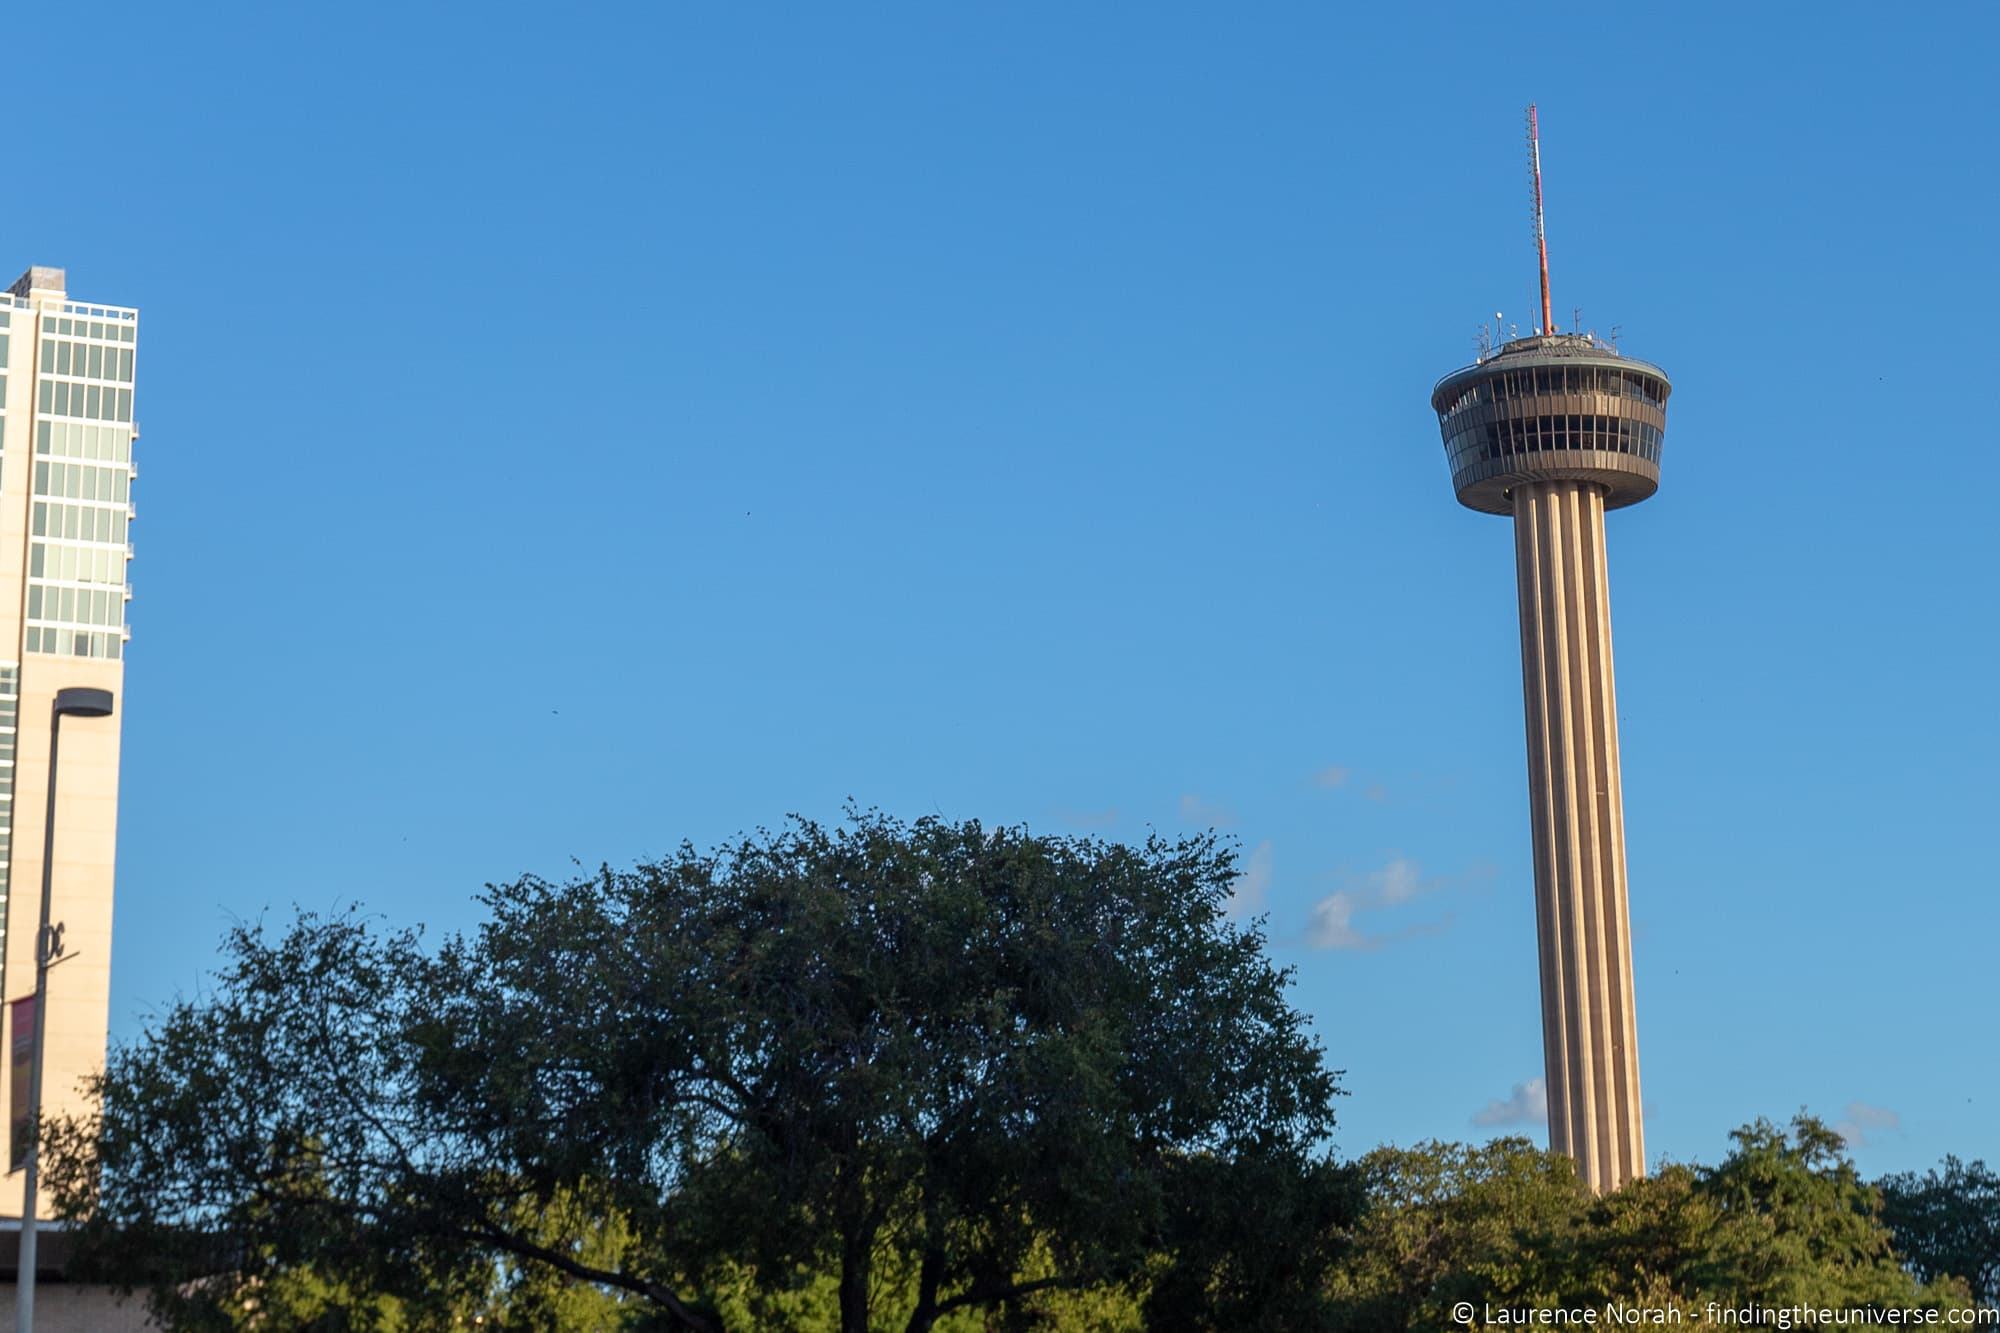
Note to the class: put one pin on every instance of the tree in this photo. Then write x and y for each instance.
(1449, 1222)
(1947, 1223)
(1796, 1225)
(981, 1064)
(1782, 1221)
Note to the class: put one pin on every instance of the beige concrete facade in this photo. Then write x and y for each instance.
(1590, 1039)
(64, 439)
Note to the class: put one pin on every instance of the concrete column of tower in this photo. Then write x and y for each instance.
(1589, 1026)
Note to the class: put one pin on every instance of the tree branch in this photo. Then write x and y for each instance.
(978, 1295)
(651, 1290)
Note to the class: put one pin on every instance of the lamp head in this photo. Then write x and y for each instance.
(83, 701)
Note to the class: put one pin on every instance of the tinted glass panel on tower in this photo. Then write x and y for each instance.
(79, 522)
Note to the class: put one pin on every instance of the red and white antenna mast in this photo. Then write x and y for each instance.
(1541, 232)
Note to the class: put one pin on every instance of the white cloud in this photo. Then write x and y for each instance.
(1247, 895)
(1194, 810)
(1340, 776)
(1528, 1104)
(1862, 1120)
(1400, 881)
(1397, 882)
(1333, 925)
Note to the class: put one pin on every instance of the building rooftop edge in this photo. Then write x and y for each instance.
(1561, 348)
(41, 278)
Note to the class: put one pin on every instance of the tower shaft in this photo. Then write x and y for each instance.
(1589, 1027)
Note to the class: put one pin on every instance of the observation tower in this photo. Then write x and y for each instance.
(1553, 430)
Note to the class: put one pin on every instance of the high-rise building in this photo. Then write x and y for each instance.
(1552, 430)
(65, 510)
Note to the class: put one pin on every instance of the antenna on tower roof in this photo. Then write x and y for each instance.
(1541, 231)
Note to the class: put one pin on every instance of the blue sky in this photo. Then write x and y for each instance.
(569, 430)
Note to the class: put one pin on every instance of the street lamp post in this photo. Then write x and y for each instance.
(77, 701)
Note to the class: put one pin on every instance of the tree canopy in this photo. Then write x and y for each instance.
(929, 1076)
(1782, 1221)
(1947, 1223)
(971, 1066)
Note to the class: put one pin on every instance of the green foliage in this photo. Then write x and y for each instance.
(1947, 1224)
(963, 1071)
(883, 1077)
(584, 1223)
(256, 1135)
(1248, 1243)
(1451, 1222)
(1796, 1226)
(1783, 1221)
(810, 1303)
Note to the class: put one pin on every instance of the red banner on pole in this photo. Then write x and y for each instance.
(22, 1017)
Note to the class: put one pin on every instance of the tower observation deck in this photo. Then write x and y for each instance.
(1559, 407)
(1553, 430)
